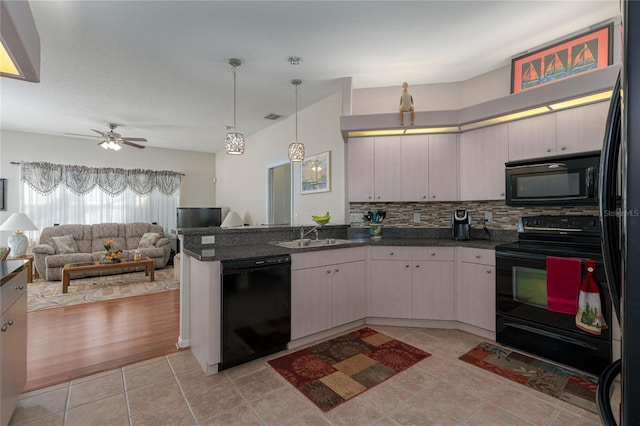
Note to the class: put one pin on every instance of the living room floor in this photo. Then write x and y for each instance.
(173, 390)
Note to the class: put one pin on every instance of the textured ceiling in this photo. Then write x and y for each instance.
(159, 68)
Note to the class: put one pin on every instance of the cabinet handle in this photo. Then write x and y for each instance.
(328, 271)
(406, 266)
(20, 287)
(10, 322)
(378, 197)
(424, 196)
(336, 270)
(391, 254)
(417, 266)
(477, 256)
(433, 254)
(433, 196)
(548, 149)
(562, 148)
(4, 327)
(488, 271)
(502, 194)
(369, 196)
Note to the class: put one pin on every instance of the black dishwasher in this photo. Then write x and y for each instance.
(256, 308)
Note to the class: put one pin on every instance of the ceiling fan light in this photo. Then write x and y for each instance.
(296, 152)
(116, 147)
(105, 145)
(234, 143)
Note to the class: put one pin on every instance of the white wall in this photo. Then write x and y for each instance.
(242, 179)
(199, 168)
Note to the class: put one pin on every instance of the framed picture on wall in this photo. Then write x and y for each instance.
(316, 173)
(586, 52)
(3, 194)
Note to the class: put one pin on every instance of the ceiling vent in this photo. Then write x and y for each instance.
(272, 116)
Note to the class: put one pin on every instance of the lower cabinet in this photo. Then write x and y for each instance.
(477, 295)
(328, 289)
(412, 282)
(13, 344)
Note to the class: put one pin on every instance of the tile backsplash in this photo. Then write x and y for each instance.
(438, 214)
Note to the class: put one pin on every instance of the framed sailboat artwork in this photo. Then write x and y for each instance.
(579, 54)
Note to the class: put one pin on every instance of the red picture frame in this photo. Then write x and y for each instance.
(583, 53)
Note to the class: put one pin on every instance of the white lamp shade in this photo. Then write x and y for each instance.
(17, 241)
(233, 219)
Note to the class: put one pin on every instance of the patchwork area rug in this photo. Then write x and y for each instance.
(568, 385)
(48, 294)
(336, 370)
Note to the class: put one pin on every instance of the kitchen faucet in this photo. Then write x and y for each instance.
(304, 234)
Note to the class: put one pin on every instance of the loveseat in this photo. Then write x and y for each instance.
(82, 243)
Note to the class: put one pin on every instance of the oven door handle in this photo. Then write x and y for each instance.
(551, 335)
(520, 255)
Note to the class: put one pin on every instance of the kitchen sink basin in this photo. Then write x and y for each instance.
(311, 243)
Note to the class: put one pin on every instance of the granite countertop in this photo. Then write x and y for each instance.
(248, 251)
(9, 269)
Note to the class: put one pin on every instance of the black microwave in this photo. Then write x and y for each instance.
(567, 180)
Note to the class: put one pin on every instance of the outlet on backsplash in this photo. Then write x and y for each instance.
(208, 239)
(488, 217)
(416, 217)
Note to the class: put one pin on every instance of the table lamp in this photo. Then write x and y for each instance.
(18, 242)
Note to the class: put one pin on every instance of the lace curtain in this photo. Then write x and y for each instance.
(67, 194)
(45, 178)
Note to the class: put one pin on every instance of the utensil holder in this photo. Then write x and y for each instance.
(375, 231)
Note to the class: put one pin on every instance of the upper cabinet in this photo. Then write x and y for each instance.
(360, 169)
(532, 137)
(483, 153)
(564, 132)
(581, 129)
(403, 168)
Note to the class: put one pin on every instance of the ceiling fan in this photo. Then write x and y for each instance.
(112, 140)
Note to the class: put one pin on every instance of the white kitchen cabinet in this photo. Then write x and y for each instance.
(310, 301)
(390, 289)
(581, 129)
(412, 282)
(443, 167)
(388, 168)
(348, 292)
(360, 152)
(433, 290)
(415, 168)
(430, 168)
(13, 343)
(328, 288)
(483, 153)
(477, 289)
(532, 137)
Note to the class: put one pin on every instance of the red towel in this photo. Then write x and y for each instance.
(563, 284)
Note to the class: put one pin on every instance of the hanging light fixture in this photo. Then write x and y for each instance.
(296, 149)
(234, 142)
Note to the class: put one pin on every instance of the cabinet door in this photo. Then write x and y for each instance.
(388, 168)
(349, 293)
(360, 169)
(478, 299)
(310, 301)
(415, 168)
(433, 290)
(443, 167)
(483, 154)
(532, 137)
(390, 289)
(13, 350)
(581, 129)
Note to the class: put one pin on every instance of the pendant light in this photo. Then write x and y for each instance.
(234, 142)
(296, 149)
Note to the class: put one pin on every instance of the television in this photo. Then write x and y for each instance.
(200, 217)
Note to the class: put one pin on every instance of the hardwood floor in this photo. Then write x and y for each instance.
(75, 341)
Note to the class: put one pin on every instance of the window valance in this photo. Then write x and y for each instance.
(45, 178)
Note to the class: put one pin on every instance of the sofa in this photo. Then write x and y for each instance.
(63, 244)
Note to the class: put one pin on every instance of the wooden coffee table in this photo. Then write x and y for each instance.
(97, 266)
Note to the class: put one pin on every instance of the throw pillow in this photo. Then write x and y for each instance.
(149, 239)
(66, 244)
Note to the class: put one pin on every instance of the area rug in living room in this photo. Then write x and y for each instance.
(336, 370)
(48, 294)
(564, 383)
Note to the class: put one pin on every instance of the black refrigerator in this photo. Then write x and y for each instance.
(620, 221)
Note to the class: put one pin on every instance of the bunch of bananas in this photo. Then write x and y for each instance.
(321, 220)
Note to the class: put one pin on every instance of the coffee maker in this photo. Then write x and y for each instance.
(460, 225)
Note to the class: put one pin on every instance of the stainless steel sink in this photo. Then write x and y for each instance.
(303, 243)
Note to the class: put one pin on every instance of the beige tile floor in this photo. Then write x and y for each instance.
(172, 390)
